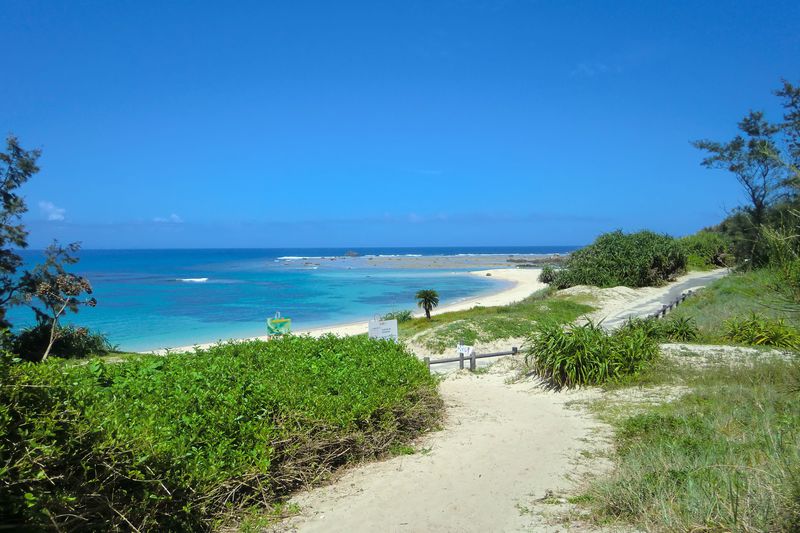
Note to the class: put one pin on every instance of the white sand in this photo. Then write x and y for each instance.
(525, 282)
(503, 447)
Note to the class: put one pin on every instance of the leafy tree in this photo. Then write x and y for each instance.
(16, 167)
(56, 290)
(791, 128)
(754, 158)
(427, 299)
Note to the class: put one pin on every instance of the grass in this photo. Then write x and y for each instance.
(486, 324)
(723, 457)
(736, 296)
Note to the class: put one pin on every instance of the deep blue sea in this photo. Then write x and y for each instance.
(150, 299)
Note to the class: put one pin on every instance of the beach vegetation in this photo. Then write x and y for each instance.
(756, 330)
(723, 456)
(548, 274)
(52, 291)
(587, 354)
(763, 293)
(427, 299)
(489, 324)
(180, 442)
(401, 316)
(672, 329)
(706, 250)
(639, 259)
(71, 342)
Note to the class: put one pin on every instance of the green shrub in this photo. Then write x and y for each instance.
(72, 343)
(547, 275)
(672, 329)
(170, 443)
(757, 330)
(635, 260)
(707, 249)
(587, 354)
(401, 316)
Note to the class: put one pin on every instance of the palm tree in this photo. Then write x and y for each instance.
(427, 299)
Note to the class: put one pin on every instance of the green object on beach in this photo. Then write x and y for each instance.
(279, 326)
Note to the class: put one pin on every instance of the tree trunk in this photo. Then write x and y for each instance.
(428, 312)
(53, 333)
(52, 340)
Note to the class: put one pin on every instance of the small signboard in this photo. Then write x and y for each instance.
(278, 325)
(465, 350)
(383, 329)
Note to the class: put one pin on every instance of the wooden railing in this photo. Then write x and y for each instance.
(473, 359)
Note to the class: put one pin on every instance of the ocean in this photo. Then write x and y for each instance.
(152, 299)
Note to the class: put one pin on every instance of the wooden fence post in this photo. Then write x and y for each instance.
(473, 363)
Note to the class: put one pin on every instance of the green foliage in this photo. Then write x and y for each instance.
(427, 299)
(401, 316)
(548, 274)
(169, 443)
(672, 329)
(71, 342)
(17, 166)
(724, 457)
(762, 291)
(487, 324)
(635, 260)
(587, 354)
(757, 330)
(707, 249)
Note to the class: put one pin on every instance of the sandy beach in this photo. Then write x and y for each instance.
(523, 282)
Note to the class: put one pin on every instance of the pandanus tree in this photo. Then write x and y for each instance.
(427, 299)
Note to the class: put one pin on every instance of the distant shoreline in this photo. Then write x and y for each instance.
(524, 282)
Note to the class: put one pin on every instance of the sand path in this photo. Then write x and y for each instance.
(503, 447)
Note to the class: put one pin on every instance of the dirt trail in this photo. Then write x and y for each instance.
(502, 448)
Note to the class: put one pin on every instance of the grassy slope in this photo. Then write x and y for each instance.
(724, 456)
(737, 294)
(486, 324)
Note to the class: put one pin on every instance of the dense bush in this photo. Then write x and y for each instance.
(72, 342)
(587, 354)
(760, 331)
(673, 329)
(635, 260)
(171, 442)
(403, 315)
(707, 249)
(548, 274)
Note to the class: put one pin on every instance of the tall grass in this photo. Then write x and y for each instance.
(587, 354)
(725, 457)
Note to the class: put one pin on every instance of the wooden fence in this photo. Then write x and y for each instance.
(473, 359)
(667, 308)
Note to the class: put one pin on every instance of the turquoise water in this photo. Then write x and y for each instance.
(150, 299)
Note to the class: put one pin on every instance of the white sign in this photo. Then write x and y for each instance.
(383, 329)
(465, 350)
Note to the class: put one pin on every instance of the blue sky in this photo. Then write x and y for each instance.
(260, 124)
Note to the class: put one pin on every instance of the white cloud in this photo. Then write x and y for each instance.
(51, 211)
(172, 219)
